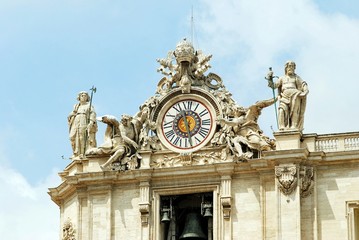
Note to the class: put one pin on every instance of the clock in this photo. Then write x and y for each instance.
(186, 123)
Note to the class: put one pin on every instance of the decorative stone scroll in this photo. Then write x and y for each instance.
(68, 230)
(144, 205)
(286, 177)
(226, 207)
(145, 213)
(306, 181)
(226, 198)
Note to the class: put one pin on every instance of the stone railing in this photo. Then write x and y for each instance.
(337, 142)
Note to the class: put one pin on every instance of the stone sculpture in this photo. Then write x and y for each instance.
(242, 130)
(292, 95)
(111, 139)
(188, 70)
(82, 125)
(237, 137)
(125, 144)
(68, 231)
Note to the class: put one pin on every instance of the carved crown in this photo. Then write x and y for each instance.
(184, 52)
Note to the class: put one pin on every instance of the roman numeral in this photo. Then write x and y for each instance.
(196, 107)
(178, 139)
(203, 132)
(189, 105)
(177, 107)
(206, 122)
(168, 125)
(204, 112)
(170, 134)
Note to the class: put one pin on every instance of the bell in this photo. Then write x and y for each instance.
(192, 228)
(165, 217)
(207, 212)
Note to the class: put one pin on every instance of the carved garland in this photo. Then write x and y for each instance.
(191, 159)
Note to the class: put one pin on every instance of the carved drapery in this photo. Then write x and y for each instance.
(68, 230)
(286, 177)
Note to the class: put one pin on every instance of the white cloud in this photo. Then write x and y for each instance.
(27, 212)
(249, 36)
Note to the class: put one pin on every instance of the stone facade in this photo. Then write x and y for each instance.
(126, 205)
(241, 184)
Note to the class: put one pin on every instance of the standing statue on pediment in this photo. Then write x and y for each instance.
(292, 95)
(82, 125)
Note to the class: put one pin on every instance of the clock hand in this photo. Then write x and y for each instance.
(183, 113)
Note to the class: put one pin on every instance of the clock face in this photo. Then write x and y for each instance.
(186, 125)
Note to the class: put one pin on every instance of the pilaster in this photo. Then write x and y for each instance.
(288, 202)
(226, 172)
(144, 204)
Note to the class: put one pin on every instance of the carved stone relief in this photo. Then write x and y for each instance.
(68, 230)
(307, 181)
(237, 136)
(190, 159)
(286, 177)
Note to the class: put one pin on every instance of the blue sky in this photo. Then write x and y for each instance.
(51, 50)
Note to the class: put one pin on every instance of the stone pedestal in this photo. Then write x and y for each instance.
(287, 140)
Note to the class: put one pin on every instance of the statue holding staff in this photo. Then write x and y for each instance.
(82, 125)
(292, 96)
